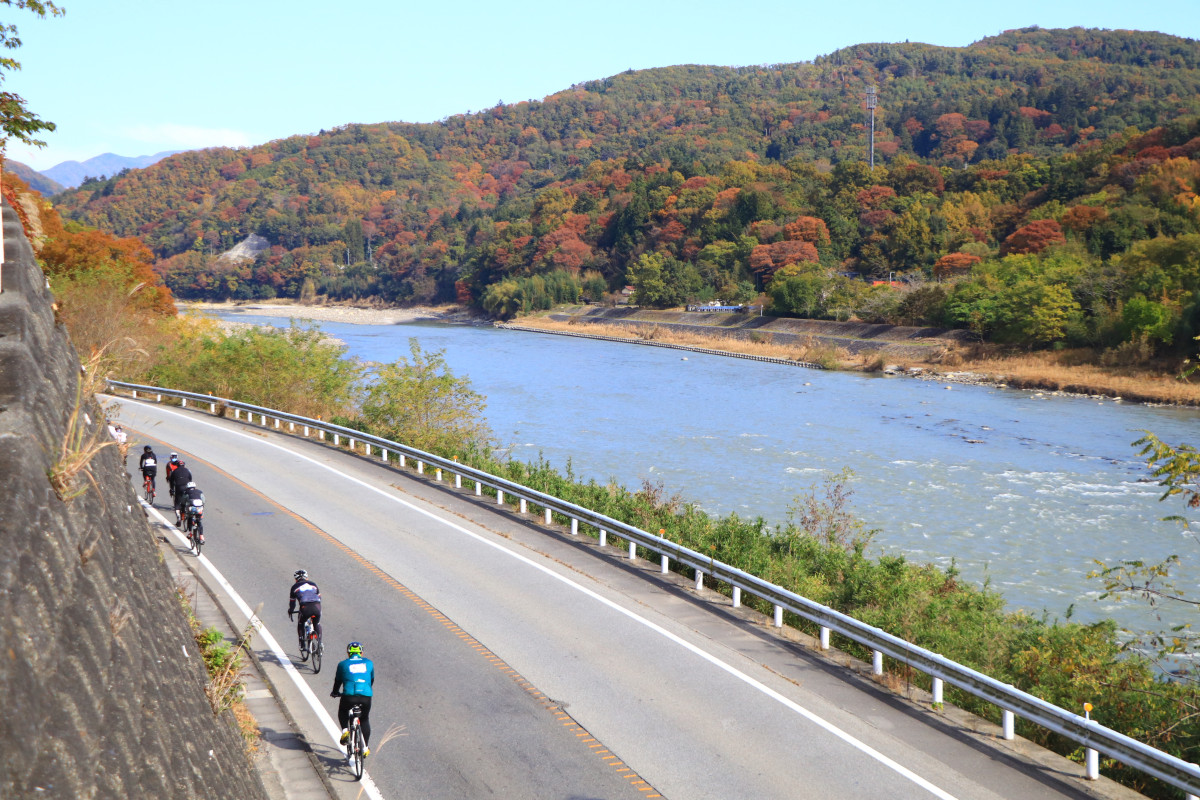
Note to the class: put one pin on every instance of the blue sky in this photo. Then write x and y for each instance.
(139, 78)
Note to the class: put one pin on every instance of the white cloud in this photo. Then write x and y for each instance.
(186, 137)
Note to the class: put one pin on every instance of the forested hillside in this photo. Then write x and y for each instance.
(1038, 187)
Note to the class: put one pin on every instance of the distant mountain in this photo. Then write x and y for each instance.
(703, 181)
(72, 173)
(36, 180)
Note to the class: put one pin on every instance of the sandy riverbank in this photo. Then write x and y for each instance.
(352, 315)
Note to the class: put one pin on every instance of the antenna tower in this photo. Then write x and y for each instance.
(872, 100)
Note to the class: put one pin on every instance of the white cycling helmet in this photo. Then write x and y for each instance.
(191, 485)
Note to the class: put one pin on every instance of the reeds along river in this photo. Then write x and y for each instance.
(1018, 488)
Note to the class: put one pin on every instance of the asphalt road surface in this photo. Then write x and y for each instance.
(514, 661)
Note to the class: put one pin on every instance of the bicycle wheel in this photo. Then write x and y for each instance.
(314, 647)
(357, 746)
(194, 535)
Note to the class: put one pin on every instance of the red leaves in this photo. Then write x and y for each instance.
(1033, 238)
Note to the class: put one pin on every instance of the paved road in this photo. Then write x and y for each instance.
(515, 663)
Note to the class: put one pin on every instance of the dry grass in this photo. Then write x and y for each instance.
(1069, 371)
(812, 351)
(80, 444)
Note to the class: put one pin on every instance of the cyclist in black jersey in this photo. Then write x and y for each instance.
(149, 465)
(307, 597)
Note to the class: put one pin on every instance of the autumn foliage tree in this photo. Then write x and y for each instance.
(1033, 238)
(954, 264)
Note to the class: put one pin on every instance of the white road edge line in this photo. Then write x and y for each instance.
(284, 659)
(829, 727)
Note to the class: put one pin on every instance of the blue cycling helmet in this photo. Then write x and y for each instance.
(354, 649)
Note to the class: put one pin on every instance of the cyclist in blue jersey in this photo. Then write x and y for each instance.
(307, 596)
(353, 681)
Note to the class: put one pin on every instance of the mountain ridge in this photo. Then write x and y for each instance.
(72, 173)
(693, 182)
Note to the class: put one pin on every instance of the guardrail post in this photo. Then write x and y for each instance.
(664, 564)
(305, 431)
(699, 578)
(322, 435)
(183, 400)
(632, 549)
(351, 445)
(824, 638)
(420, 467)
(603, 537)
(158, 398)
(478, 488)
(1007, 719)
(737, 597)
(212, 408)
(938, 691)
(291, 427)
(276, 423)
(574, 527)
(1091, 764)
(135, 394)
(264, 419)
(778, 616)
(522, 505)
(237, 413)
(384, 455)
(549, 517)
(337, 439)
(876, 662)
(499, 497)
(402, 459)
(457, 481)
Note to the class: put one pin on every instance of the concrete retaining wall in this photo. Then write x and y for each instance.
(103, 687)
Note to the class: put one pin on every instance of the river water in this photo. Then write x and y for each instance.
(1019, 489)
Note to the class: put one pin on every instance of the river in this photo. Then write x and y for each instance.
(1019, 489)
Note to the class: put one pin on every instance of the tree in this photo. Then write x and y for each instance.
(1033, 238)
(15, 119)
(420, 402)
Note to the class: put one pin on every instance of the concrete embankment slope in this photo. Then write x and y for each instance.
(103, 687)
(854, 337)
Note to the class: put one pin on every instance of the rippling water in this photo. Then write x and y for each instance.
(1019, 489)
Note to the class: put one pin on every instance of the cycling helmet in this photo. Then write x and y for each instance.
(191, 485)
(174, 456)
(146, 449)
(354, 649)
(181, 463)
(301, 575)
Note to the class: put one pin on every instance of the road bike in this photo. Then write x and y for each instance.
(148, 485)
(312, 644)
(356, 745)
(193, 525)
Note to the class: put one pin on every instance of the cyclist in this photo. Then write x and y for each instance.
(356, 675)
(307, 597)
(149, 465)
(181, 476)
(172, 465)
(186, 494)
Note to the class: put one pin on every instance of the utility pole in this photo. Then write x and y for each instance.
(871, 102)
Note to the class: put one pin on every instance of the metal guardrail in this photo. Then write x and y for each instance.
(1012, 701)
